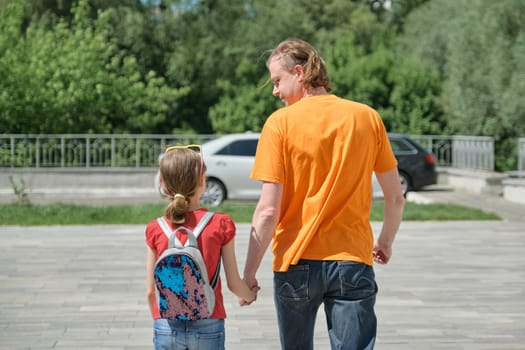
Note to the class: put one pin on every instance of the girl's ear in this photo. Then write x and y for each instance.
(160, 185)
(203, 180)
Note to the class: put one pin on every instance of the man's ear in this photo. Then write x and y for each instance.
(298, 70)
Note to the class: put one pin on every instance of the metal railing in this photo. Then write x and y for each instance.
(112, 150)
(464, 152)
(85, 151)
(440, 146)
(473, 152)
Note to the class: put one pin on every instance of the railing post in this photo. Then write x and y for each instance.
(430, 142)
(62, 151)
(88, 145)
(12, 151)
(491, 154)
(521, 154)
(137, 153)
(112, 151)
(37, 152)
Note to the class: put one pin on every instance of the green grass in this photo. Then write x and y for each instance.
(68, 214)
(435, 212)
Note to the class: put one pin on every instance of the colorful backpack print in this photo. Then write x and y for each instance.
(181, 279)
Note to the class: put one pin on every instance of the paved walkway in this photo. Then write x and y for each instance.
(507, 210)
(450, 285)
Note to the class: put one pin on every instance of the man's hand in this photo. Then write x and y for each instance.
(381, 252)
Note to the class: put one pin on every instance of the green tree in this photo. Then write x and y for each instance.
(246, 108)
(215, 37)
(211, 55)
(362, 64)
(413, 106)
(244, 99)
(480, 60)
(365, 67)
(73, 79)
(400, 9)
(135, 26)
(358, 75)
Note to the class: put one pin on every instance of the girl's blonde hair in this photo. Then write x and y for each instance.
(180, 174)
(296, 51)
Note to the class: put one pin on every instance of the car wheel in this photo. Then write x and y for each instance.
(214, 194)
(405, 182)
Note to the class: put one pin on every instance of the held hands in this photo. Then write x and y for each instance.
(254, 288)
(254, 295)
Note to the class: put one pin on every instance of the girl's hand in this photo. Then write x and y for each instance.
(253, 297)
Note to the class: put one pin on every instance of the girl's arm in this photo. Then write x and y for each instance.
(233, 278)
(150, 286)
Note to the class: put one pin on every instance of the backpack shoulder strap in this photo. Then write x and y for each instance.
(202, 224)
(196, 232)
(172, 237)
(215, 279)
(164, 226)
(198, 229)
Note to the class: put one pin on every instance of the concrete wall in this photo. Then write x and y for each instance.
(105, 185)
(95, 185)
(514, 190)
(485, 182)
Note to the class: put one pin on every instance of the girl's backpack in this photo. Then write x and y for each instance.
(180, 276)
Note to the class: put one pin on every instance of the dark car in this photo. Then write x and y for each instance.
(417, 166)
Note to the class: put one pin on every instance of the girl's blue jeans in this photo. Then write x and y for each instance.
(347, 289)
(205, 334)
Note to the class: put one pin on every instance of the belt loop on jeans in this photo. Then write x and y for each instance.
(323, 272)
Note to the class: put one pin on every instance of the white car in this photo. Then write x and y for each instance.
(229, 161)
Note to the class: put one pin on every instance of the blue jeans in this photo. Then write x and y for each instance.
(205, 334)
(348, 291)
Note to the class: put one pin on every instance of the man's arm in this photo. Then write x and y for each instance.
(264, 222)
(393, 213)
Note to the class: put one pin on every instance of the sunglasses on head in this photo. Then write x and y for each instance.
(196, 148)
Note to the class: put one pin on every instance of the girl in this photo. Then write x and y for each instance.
(182, 180)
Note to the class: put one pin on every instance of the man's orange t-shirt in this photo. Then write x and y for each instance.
(323, 149)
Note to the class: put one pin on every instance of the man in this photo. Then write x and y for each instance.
(315, 158)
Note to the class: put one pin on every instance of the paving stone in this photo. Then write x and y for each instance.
(450, 285)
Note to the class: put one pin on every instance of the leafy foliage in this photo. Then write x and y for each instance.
(413, 102)
(480, 58)
(428, 67)
(72, 79)
(245, 106)
(401, 89)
